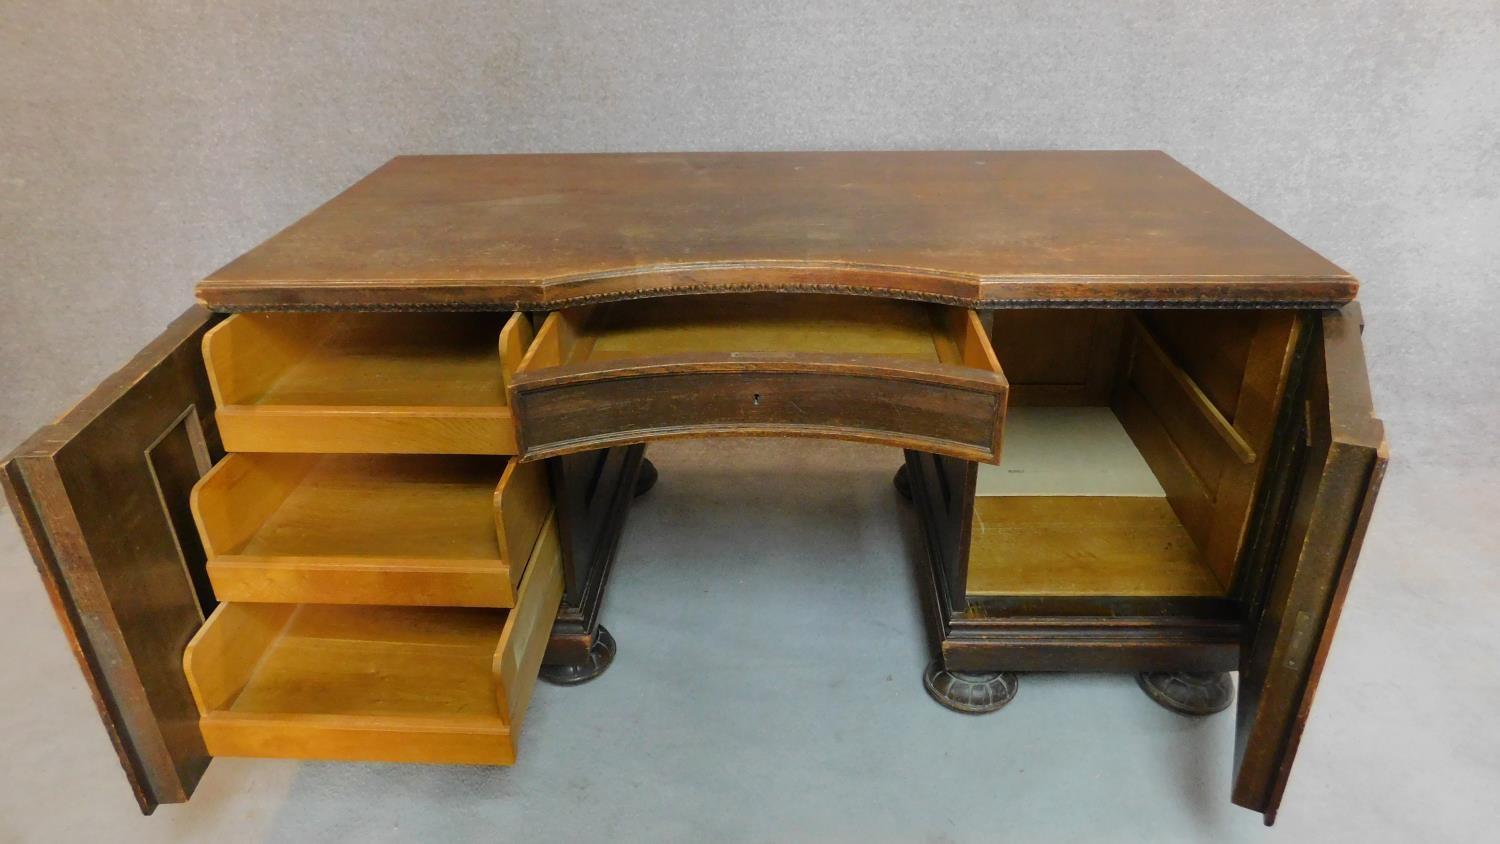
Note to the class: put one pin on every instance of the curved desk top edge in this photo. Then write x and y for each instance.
(638, 283)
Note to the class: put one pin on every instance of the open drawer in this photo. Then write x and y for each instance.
(390, 684)
(417, 530)
(408, 383)
(908, 374)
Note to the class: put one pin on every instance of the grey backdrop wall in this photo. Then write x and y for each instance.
(144, 144)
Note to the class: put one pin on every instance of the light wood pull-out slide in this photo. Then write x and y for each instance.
(1076, 511)
(366, 382)
(907, 374)
(412, 530)
(392, 684)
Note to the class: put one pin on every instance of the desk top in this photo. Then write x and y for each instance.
(984, 229)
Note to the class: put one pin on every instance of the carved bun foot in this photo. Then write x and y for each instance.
(969, 693)
(600, 656)
(646, 479)
(903, 483)
(1189, 694)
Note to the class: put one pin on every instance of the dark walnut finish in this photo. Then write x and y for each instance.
(767, 395)
(592, 492)
(905, 374)
(1310, 539)
(101, 498)
(1122, 294)
(981, 229)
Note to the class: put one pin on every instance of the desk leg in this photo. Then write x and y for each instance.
(593, 492)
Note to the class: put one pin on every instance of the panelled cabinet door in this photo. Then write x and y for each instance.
(101, 497)
(1336, 459)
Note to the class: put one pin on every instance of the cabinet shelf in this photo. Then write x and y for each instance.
(1076, 511)
(1084, 546)
(366, 382)
(422, 530)
(394, 684)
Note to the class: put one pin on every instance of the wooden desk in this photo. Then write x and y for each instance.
(353, 504)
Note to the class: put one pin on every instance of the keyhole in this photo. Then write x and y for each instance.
(755, 399)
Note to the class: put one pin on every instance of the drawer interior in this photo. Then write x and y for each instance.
(755, 322)
(403, 684)
(382, 382)
(1134, 447)
(379, 529)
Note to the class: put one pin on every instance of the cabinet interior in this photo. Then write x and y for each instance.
(1134, 445)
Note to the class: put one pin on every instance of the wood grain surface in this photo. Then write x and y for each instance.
(1084, 545)
(983, 229)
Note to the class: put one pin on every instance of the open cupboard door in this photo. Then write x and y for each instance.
(1335, 459)
(101, 496)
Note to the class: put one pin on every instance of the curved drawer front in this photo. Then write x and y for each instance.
(905, 374)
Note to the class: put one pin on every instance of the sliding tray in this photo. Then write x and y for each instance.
(365, 382)
(420, 530)
(908, 374)
(386, 684)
